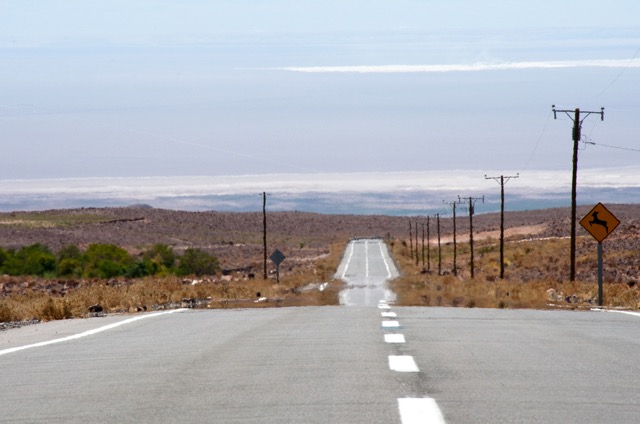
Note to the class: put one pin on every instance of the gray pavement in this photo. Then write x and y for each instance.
(360, 363)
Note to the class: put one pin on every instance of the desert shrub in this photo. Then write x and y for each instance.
(56, 309)
(197, 262)
(140, 268)
(106, 261)
(69, 261)
(160, 259)
(3, 257)
(35, 259)
(6, 313)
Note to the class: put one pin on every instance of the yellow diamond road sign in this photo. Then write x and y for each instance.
(599, 222)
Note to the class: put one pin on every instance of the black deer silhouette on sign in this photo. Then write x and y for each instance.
(598, 221)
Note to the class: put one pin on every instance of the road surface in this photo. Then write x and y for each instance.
(366, 267)
(347, 364)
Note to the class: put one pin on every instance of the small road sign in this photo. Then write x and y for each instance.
(599, 222)
(277, 257)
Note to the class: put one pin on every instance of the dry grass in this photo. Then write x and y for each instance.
(536, 276)
(296, 288)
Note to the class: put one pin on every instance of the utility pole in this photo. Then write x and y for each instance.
(264, 232)
(455, 246)
(410, 239)
(439, 249)
(577, 126)
(471, 202)
(428, 243)
(417, 252)
(502, 180)
(422, 223)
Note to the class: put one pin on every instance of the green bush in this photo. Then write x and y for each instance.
(35, 259)
(105, 261)
(159, 260)
(196, 261)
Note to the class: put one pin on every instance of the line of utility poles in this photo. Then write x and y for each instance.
(471, 201)
(577, 126)
(502, 180)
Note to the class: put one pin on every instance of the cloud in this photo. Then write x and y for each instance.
(476, 67)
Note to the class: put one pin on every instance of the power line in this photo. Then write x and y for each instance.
(620, 73)
(535, 148)
(630, 149)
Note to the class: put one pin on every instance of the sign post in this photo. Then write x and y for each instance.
(277, 257)
(599, 222)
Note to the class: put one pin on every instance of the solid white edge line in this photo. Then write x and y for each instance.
(403, 363)
(394, 338)
(419, 410)
(384, 259)
(636, 314)
(346, 266)
(366, 261)
(89, 332)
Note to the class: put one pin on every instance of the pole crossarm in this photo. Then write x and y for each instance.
(586, 113)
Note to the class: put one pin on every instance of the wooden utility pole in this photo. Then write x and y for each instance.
(455, 245)
(471, 202)
(264, 232)
(410, 239)
(439, 249)
(422, 245)
(417, 252)
(502, 180)
(577, 126)
(428, 243)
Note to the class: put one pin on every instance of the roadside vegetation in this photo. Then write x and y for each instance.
(105, 261)
(536, 276)
(105, 278)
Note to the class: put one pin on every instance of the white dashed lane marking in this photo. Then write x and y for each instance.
(412, 410)
(390, 324)
(419, 410)
(394, 338)
(402, 363)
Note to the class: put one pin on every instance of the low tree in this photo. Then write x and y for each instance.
(36, 259)
(69, 261)
(196, 261)
(106, 261)
(160, 259)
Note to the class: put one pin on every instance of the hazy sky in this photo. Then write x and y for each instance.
(125, 88)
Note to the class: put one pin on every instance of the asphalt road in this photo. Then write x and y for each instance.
(347, 364)
(366, 267)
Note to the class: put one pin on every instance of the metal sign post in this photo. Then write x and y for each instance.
(277, 257)
(600, 274)
(599, 222)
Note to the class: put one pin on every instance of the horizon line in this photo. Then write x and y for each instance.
(474, 67)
